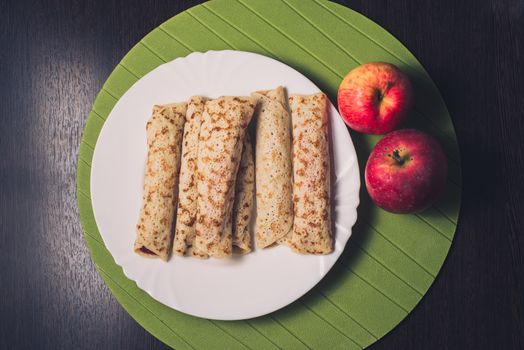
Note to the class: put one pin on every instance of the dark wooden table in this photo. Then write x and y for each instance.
(55, 56)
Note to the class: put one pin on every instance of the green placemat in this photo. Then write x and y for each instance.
(390, 261)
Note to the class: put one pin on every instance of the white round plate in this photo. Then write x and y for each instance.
(230, 289)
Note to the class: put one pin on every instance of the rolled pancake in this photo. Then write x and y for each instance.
(164, 140)
(187, 195)
(273, 168)
(244, 200)
(311, 184)
(222, 133)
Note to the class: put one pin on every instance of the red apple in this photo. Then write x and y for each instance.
(406, 171)
(375, 98)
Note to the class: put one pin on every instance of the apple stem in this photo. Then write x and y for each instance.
(396, 156)
(388, 86)
(382, 93)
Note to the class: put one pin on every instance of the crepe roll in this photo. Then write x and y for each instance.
(222, 134)
(244, 200)
(164, 140)
(273, 168)
(187, 192)
(311, 175)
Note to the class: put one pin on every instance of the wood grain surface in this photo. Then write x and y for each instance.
(55, 57)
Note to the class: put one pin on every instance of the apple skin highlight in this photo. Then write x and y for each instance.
(406, 171)
(375, 98)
